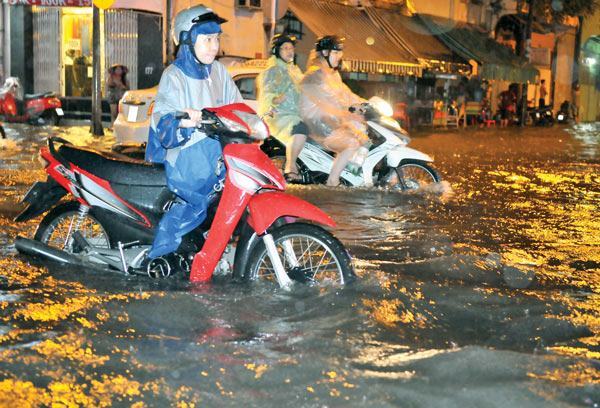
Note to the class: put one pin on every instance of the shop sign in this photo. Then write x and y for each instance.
(51, 3)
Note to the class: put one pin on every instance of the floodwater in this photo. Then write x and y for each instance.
(484, 292)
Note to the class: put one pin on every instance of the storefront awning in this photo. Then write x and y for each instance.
(413, 35)
(368, 46)
(496, 61)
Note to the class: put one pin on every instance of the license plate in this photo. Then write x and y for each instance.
(60, 112)
(132, 113)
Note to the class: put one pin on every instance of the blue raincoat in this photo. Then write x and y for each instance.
(191, 159)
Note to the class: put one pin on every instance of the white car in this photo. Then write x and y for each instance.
(133, 122)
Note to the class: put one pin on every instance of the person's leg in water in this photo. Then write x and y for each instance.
(345, 145)
(339, 163)
(292, 151)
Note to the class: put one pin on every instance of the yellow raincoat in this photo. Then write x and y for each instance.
(279, 79)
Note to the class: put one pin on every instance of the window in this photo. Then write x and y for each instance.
(247, 86)
(253, 4)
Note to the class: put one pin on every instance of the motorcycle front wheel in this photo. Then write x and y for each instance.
(410, 175)
(309, 254)
(57, 227)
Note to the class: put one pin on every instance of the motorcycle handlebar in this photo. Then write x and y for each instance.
(184, 116)
(209, 119)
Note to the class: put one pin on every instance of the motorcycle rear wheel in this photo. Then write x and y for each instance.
(51, 117)
(57, 227)
(410, 175)
(309, 254)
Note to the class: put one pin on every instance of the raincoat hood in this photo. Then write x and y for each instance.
(186, 59)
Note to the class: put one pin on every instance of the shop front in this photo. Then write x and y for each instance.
(386, 54)
(60, 55)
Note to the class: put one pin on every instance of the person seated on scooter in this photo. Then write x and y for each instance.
(13, 86)
(324, 103)
(192, 161)
(279, 99)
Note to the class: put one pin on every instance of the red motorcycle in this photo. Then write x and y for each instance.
(37, 109)
(253, 229)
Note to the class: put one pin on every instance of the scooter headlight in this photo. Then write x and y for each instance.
(381, 106)
(258, 128)
(561, 116)
(233, 125)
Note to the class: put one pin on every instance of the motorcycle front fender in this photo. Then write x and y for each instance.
(264, 209)
(396, 155)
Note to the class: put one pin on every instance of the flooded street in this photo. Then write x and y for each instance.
(484, 292)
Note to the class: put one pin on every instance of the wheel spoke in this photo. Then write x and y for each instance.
(60, 231)
(304, 253)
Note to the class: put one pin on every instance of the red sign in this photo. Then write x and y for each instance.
(52, 3)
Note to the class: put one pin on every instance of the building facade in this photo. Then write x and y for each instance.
(51, 46)
(588, 95)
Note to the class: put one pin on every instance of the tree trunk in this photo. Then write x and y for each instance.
(525, 52)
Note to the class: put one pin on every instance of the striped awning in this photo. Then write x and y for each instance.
(381, 67)
(368, 47)
(496, 61)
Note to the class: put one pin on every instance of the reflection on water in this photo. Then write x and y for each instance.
(487, 285)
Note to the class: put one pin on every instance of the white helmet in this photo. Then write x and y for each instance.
(185, 20)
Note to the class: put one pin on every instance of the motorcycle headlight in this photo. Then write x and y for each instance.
(258, 128)
(561, 116)
(381, 106)
(233, 125)
(391, 123)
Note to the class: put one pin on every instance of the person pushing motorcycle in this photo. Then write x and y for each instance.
(192, 161)
(279, 98)
(324, 104)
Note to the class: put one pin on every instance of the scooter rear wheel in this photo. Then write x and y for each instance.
(309, 254)
(57, 227)
(51, 117)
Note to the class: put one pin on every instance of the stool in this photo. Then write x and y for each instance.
(490, 123)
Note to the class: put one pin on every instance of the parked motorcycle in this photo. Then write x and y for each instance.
(36, 109)
(538, 116)
(389, 163)
(565, 113)
(253, 229)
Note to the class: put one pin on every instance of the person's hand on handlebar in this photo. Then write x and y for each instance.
(195, 116)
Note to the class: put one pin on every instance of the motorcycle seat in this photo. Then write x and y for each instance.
(115, 167)
(39, 95)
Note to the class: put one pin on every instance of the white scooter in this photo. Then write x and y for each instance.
(390, 162)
